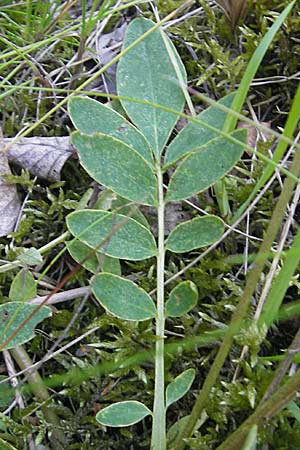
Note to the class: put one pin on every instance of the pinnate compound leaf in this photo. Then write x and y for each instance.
(12, 314)
(91, 261)
(195, 233)
(194, 135)
(204, 166)
(23, 286)
(116, 165)
(130, 240)
(179, 387)
(147, 73)
(182, 299)
(123, 298)
(123, 414)
(90, 116)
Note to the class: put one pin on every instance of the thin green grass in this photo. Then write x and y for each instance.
(239, 99)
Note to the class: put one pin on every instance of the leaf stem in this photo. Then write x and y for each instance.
(158, 441)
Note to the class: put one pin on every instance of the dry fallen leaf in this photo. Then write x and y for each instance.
(104, 48)
(42, 156)
(9, 201)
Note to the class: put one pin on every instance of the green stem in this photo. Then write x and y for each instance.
(28, 30)
(158, 441)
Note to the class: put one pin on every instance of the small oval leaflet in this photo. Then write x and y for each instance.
(90, 116)
(113, 163)
(12, 314)
(123, 414)
(206, 165)
(195, 135)
(176, 429)
(91, 261)
(23, 286)
(182, 299)
(147, 73)
(30, 257)
(121, 206)
(251, 440)
(179, 387)
(123, 298)
(6, 392)
(83, 254)
(195, 233)
(131, 240)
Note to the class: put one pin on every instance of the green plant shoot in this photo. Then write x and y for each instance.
(130, 155)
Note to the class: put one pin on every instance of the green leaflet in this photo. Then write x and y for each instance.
(23, 286)
(30, 257)
(204, 166)
(177, 428)
(194, 135)
(79, 251)
(195, 233)
(294, 410)
(251, 440)
(182, 299)
(123, 414)
(179, 387)
(123, 298)
(130, 240)
(12, 314)
(122, 206)
(116, 165)
(109, 200)
(105, 199)
(111, 265)
(6, 393)
(147, 73)
(90, 116)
